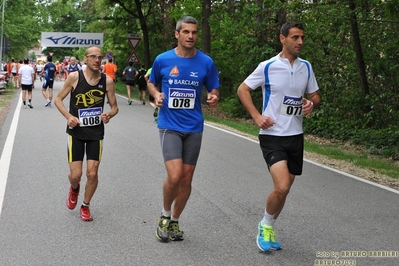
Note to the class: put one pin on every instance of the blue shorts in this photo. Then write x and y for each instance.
(179, 145)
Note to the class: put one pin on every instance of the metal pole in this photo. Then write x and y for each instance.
(80, 24)
(2, 33)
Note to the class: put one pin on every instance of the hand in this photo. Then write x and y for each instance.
(159, 99)
(105, 117)
(212, 100)
(307, 107)
(264, 122)
(73, 121)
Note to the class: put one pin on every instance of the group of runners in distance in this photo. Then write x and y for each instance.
(175, 82)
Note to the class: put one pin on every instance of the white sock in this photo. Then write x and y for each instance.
(268, 219)
(174, 219)
(165, 213)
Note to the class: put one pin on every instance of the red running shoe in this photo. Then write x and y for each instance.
(85, 214)
(72, 198)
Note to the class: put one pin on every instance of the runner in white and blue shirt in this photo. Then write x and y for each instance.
(283, 87)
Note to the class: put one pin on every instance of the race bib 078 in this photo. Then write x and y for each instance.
(181, 98)
(291, 106)
(89, 117)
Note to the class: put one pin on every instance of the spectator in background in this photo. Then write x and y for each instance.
(110, 69)
(73, 66)
(27, 81)
(130, 74)
(142, 83)
(49, 73)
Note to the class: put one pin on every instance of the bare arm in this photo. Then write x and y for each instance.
(69, 86)
(312, 102)
(244, 93)
(33, 79)
(111, 101)
(158, 96)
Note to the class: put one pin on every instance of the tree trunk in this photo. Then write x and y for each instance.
(358, 49)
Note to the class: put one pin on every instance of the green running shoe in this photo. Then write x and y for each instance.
(162, 232)
(155, 114)
(175, 234)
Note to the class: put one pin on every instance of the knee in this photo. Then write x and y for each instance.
(91, 175)
(282, 191)
(173, 181)
(75, 175)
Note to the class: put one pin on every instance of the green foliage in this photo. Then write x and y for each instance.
(244, 33)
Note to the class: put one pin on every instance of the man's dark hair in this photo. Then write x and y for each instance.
(26, 61)
(49, 58)
(285, 29)
(187, 20)
(130, 63)
(110, 60)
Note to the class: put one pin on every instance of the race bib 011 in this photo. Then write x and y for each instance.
(291, 106)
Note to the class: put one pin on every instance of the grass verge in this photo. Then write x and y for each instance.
(334, 150)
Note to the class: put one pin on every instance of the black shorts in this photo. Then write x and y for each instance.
(48, 84)
(130, 82)
(288, 148)
(142, 85)
(76, 149)
(179, 145)
(26, 87)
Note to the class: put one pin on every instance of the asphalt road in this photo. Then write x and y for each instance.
(330, 218)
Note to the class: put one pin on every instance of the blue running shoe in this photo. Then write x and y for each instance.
(266, 240)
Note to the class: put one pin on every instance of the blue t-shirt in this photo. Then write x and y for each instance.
(182, 80)
(49, 71)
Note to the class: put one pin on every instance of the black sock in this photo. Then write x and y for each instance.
(76, 189)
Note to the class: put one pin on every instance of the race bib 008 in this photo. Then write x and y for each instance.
(89, 117)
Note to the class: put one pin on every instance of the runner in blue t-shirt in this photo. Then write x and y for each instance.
(182, 73)
(49, 72)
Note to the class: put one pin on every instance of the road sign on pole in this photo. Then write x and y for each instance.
(134, 40)
(133, 58)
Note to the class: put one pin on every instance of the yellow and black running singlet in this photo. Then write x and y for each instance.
(87, 103)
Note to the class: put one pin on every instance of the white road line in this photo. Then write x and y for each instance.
(320, 165)
(7, 151)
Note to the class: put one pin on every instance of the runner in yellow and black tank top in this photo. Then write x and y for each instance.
(87, 103)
